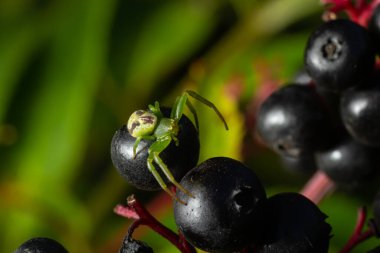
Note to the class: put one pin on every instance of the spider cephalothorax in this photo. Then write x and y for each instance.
(152, 125)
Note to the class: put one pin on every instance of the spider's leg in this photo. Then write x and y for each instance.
(209, 104)
(192, 110)
(159, 179)
(178, 107)
(137, 142)
(173, 111)
(156, 109)
(156, 148)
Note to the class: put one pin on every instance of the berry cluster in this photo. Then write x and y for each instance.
(334, 114)
(229, 212)
(329, 115)
(221, 205)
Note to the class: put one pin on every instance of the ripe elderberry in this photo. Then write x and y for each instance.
(179, 159)
(41, 245)
(348, 163)
(224, 214)
(360, 110)
(339, 54)
(134, 246)
(294, 121)
(294, 224)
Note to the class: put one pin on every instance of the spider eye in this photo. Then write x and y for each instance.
(141, 123)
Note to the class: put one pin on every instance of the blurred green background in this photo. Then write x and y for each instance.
(71, 72)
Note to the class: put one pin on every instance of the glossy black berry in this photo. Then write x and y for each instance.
(225, 211)
(134, 246)
(374, 27)
(179, 159)
(360, 110)
(41, 245)
(339, 54)
(293, 121)
(349, 163)
(294, 224)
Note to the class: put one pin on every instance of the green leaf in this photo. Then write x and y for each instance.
(55, 130)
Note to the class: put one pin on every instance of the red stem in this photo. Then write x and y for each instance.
(135, 210)
(358, 236)
(360, 12)
(318, 186)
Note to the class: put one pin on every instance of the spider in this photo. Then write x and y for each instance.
(152, 125)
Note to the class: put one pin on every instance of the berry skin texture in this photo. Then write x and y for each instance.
(179, 159)
(293, 121)
(360, 112)
(349, 163)
(339, 54)
(134, 246)
(41, 245)
(223, 215)
(294, 224)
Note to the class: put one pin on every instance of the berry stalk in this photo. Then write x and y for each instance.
(135, 210)
(358, 236)
(360, 12)
(318, 186)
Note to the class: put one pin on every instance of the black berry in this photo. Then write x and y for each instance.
(294, 224)
(294, 121)
(179, 159)
(134, 246)
(225, 210)
(41, 245)
(349, 163)
(339, 54)
(360, 110)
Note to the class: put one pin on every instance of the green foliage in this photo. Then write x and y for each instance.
(71, 72)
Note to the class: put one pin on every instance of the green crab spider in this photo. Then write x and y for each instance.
(152, 125)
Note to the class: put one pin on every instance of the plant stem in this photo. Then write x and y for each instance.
(318, 186)
(358, 236)
(360, 12)
(135, 210)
